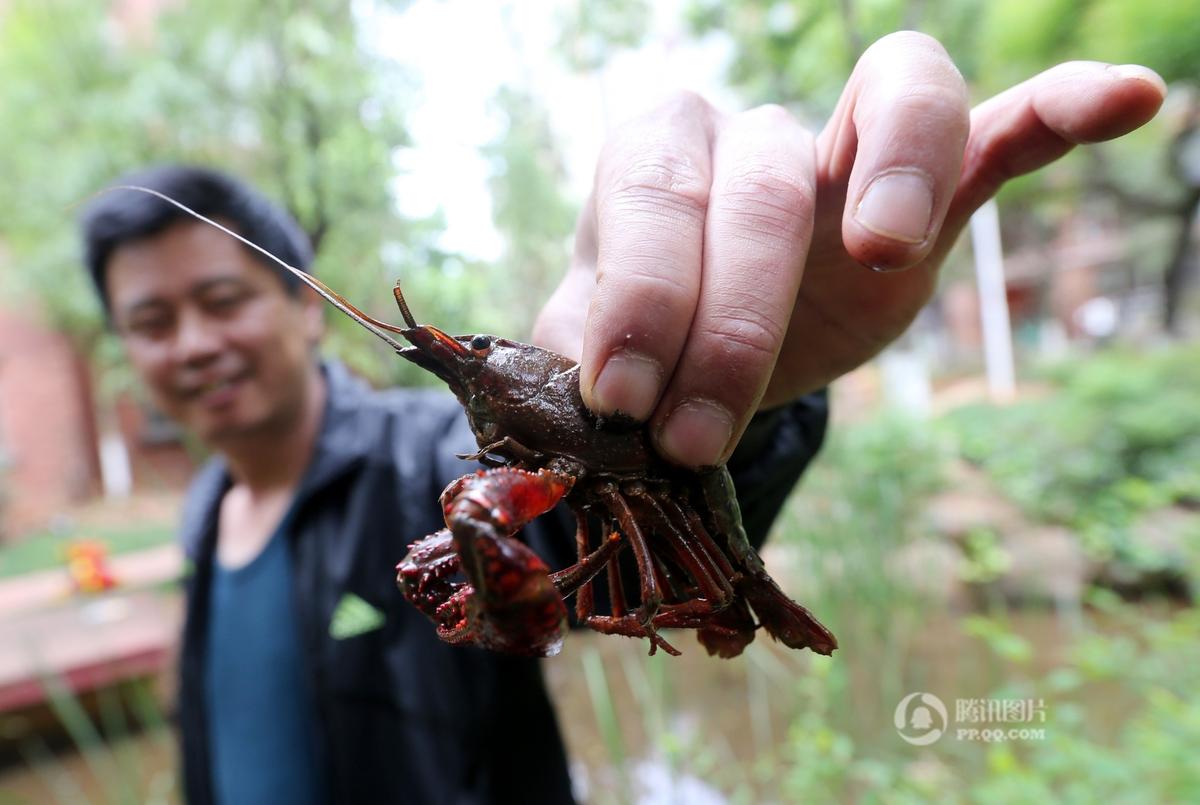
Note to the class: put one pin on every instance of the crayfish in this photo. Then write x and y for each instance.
(540, 443)
(696, 568)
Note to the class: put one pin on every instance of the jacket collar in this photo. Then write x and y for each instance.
(341, 446)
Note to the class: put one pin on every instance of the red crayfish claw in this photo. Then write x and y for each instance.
(508, 602)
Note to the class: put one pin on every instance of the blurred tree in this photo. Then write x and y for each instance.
(591, 32)
(283, 93)
(799, 52)
(1155, 174)
(529, 208)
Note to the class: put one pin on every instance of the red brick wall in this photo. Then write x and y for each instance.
(156, 465)
(47, 433)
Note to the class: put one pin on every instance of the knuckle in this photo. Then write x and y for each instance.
(663, 181)
(658, 293)
(771, 122)
(934, 107)
(744, 335)
(768, 201)
(683, 102)
(940, 100)
(771, 113)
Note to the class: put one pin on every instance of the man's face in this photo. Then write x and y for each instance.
(223, 347)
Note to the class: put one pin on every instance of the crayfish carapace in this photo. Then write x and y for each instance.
(695, 566)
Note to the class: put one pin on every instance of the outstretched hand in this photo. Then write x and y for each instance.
(726, 263)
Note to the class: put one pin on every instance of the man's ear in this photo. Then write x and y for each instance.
(313, 307)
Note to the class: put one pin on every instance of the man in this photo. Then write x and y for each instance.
(685, 305)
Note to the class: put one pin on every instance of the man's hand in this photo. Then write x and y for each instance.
(690, 253)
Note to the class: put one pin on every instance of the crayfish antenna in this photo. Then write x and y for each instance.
(374, 326)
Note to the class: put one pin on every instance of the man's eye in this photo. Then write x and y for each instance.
(224, 303)
(150, 328)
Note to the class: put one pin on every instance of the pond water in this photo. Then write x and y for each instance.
(678, 729)
(654, 727)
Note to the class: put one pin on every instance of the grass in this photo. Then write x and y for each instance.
(124, 749)
(47, 550)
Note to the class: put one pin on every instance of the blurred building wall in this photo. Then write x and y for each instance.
(48, 457)
(49, 440)
(158, 461)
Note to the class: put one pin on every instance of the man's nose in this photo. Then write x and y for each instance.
(198, 339)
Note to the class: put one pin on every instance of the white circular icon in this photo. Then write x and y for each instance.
(920, 718)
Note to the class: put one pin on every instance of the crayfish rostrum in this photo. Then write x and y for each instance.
(696, 568)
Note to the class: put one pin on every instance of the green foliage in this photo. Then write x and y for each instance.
(529, 209)
(1160, 34)
(862, 500)
(787, 52)
(1084, 759)
(859, 509)
(284, 94)
(800, 51)
(1120, 437)
(590, 32)
(985, 558)
(1143, 756)
(1025, 36)
(874, 476)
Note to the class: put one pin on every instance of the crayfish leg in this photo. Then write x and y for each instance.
(651, 593)
(582, 572)
(631, 626)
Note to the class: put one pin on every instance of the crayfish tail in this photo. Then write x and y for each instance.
(784, 619)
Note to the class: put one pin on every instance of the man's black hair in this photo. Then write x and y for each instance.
(123, 216)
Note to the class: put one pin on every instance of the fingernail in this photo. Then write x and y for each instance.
(897, 205)
(696, 433)
(1141, 73)
(628, 384)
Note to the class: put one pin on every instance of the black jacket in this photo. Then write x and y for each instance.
(405, 717)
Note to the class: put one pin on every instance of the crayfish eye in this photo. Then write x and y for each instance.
(480, 344)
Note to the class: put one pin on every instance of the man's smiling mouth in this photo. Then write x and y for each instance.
(214, 388)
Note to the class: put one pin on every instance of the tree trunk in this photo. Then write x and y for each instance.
(1175, 279)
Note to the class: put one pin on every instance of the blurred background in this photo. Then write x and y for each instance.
(1005, 521)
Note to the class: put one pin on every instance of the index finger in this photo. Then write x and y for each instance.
(651, 199)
